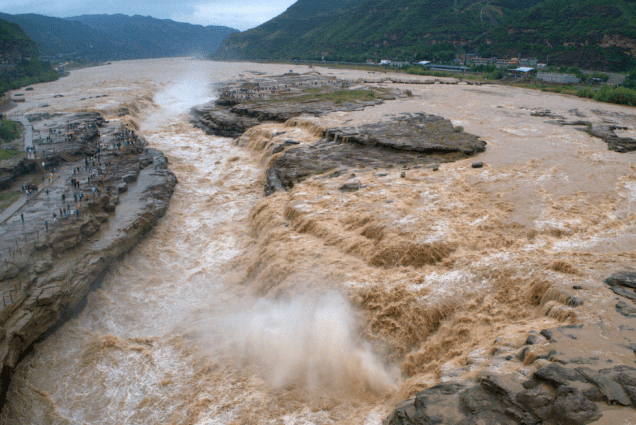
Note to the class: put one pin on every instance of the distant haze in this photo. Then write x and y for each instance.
(239, 14)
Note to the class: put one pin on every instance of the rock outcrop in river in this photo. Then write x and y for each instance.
(404, 140)
(250, 102)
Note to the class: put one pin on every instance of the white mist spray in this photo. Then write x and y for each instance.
(305, 341)
(177, 98)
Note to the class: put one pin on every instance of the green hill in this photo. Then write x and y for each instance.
(137, 37)
(361, 29)
(96, 38)
(56, 37)
(356, 30)
(19, 61)
(15, 44)
(596, 34)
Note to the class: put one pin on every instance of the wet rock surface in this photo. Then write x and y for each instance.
(623, 284)
(555, 394)
(562, 389)
(605, 130)
(405, 140)
(249, 102)
(49, 264)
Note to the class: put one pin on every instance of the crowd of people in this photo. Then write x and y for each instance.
(87, 184)
(30, 189)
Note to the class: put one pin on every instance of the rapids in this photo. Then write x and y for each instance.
(287, 310)
(164, 340)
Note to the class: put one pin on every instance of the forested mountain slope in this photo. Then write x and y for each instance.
(597, 34)
(56, 36)
(147, 37)
(115, 37)
(15, 44)
(19, 61)
(356, 30)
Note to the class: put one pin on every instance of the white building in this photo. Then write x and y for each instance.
(558, 78)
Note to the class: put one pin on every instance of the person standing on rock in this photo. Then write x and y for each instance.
(22, 217)
(46, 225)
(63, 197)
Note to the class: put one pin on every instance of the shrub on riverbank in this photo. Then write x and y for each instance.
(9, 130)
(586, 92)
(618, 95)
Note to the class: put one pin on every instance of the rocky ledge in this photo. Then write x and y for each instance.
(406, 140)
(554, 395)
(249, 102)
(605, 131)
(565, 387)
(48, 269)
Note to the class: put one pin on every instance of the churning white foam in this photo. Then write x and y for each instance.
(308, 341)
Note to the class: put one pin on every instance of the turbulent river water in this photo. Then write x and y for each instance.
(174, 335)
(163, 340)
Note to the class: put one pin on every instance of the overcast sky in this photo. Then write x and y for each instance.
(240, 14)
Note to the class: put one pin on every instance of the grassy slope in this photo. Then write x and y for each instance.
(370, 27)
(274, 38)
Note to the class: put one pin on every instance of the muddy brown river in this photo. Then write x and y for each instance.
(232, 311)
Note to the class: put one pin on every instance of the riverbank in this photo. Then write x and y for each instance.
(98, 193)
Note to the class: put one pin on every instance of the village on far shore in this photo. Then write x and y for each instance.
(517, 67)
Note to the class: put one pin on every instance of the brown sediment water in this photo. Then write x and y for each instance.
(318, 306)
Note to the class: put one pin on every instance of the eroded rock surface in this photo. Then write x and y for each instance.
(624, 284)
(47, 271)
(250, 102)
(555, 394)
(405, 140)
(605, 130)
(562, 389)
